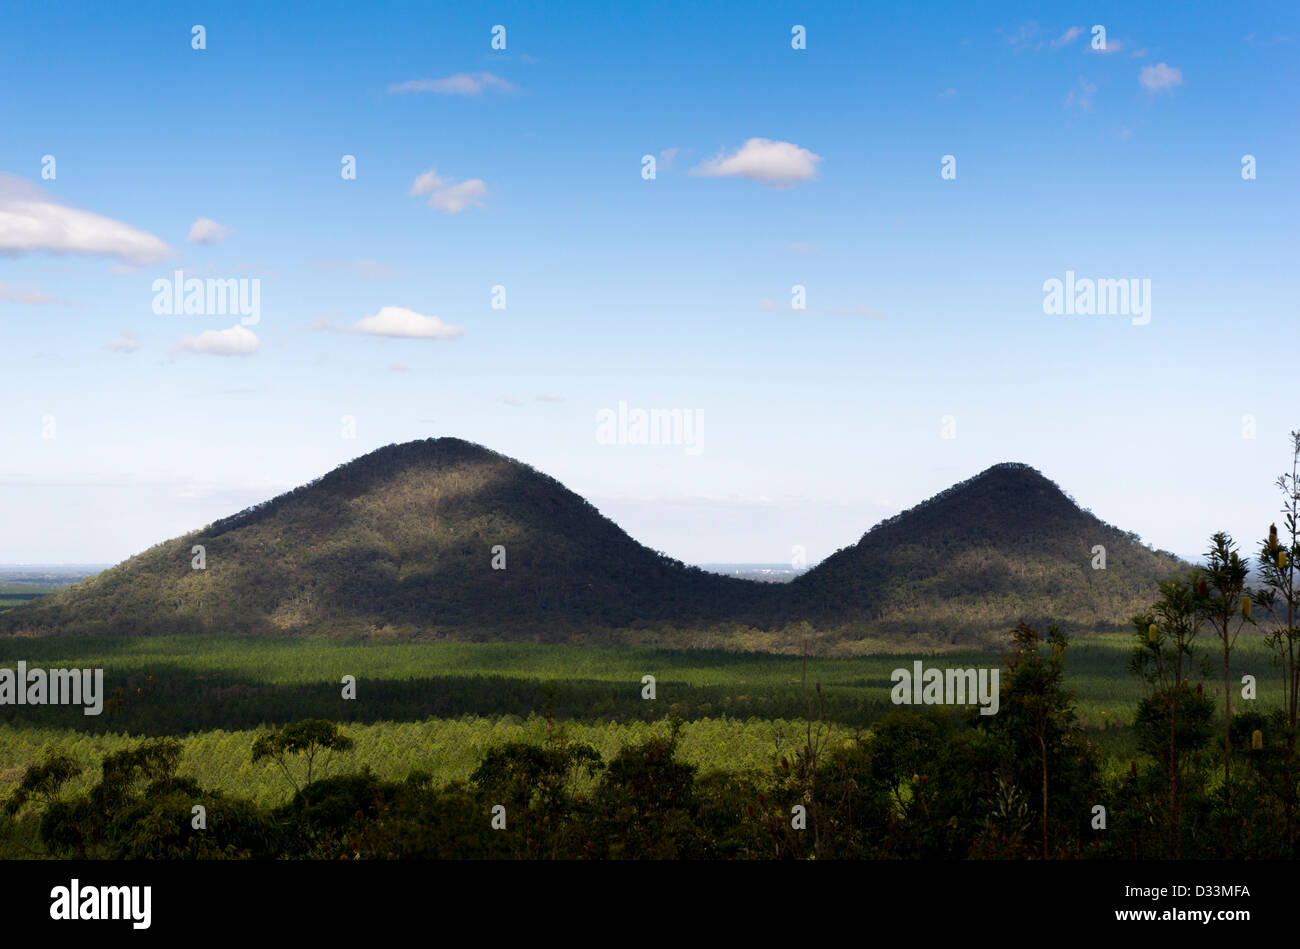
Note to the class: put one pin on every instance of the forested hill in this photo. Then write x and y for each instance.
(409, 537)
(403, 536)
(1004, 545)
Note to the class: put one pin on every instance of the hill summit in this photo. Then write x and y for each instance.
(427, 534)
(444, 537)
(1004, 545)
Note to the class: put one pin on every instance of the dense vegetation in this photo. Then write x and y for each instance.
(1005, 545)
(1027, 782)
(407, 540)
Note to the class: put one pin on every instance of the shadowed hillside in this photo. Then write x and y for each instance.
(1004, 545)
(404, 537)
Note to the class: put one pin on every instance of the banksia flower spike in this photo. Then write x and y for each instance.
(1151, 633)
(1257, 740)
(1272, 535)
(1281, 560)
(1245, 607)
(1202, 589)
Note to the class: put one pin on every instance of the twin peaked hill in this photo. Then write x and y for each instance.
(402, 538)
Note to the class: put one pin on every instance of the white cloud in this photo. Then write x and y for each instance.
(461, 84)
(760, 159)
(948, 93)
(550, 397)
(207, 231)
(236, 341)
(1139, 53)
(1069, 36)
(126, 342)
(1160, 78)
(1112, 46)
(446, 196)
(510, 400)
(31, 220)
(400, 322)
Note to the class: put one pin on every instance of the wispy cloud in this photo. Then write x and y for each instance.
(446, 195)
(1066, 38)
(1081, 95)
(780, 164)
(461, 84)
(31, 221)
(126, 342)
(10, 294)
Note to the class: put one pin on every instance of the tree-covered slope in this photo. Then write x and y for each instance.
(402, 536)
(1004, 545)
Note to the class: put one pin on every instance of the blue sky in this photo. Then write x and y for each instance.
(776, 167)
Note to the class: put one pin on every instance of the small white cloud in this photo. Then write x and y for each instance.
(30, 220)
(780, 164)
(207, 231)
(803, 248)
(18, 295)
(1112, 46)
(446, 196)
(1160, 78)
(461, 84)
(1066, 38)
(1139, 53)
(398, 321)
(126, 342)
(510, 400)
(236, 341)
(948, 93)
(550, 397)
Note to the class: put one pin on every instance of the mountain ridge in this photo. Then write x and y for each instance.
(445, 537)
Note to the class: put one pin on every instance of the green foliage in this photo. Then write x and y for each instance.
(307, 739)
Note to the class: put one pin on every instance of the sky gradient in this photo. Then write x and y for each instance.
(522, 168)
